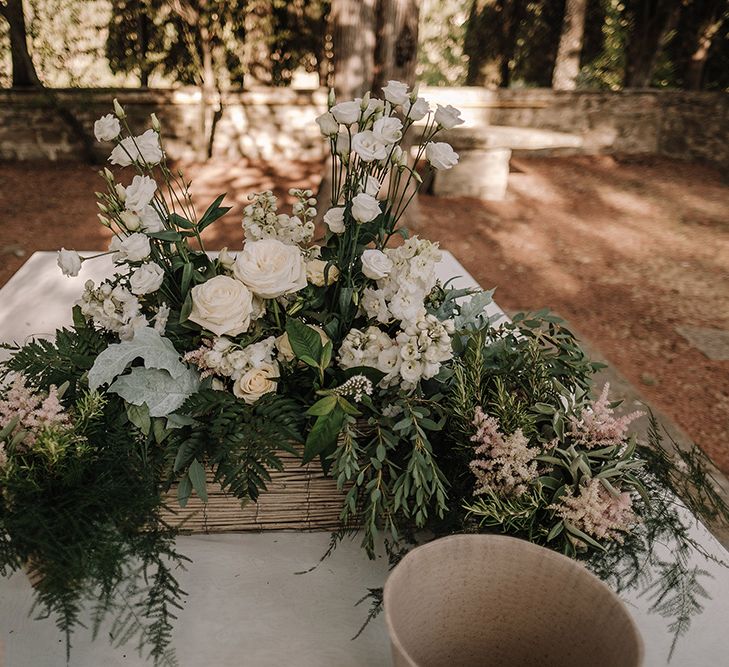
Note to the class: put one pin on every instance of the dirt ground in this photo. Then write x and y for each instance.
(625, 250)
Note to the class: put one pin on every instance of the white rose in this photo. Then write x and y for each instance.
(222, 305)
(346, 112)
(283, 344)
(143, 148)
(130, 220)
(441, 155)
(416, 110)
(365, 207)
(376, 264)
(368, 146)
(146, 279)
(315, 272)
(334, 219)
(150, 219)
(327, 124)
(69, 261)
(256, 382)
(134, 248)
(387, 130)
(396, 92)
(270, 268)
(139, 193)
(107, 128)
(448, 117)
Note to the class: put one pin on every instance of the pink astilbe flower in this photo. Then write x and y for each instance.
(597, 425)
(503, 465)
(34, 410)
(597, 512)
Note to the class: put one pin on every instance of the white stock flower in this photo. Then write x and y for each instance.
(448, 117)
(69, 261)
(334, 219)
(318, 274)
(151, 220)
(368, 146)
(270, 268)
(133, 248)
(416, 110)
(107, 128)
(256, 382)
(387, 130)
(222, 305)
(346, 112)
(365, 207)
(139, 193)
(146, 279)
(396, 92)
(144, 148)
(441, 155)
(328, 125)
(376, 264)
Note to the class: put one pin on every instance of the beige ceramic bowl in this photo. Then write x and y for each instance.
(487, 600)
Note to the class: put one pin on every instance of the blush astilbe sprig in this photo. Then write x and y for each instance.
(597, 426)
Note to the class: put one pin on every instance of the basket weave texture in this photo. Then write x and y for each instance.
(297, 498)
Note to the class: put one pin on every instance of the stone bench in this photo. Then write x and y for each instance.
(484, 153)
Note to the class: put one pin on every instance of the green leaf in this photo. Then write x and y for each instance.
(196, 472)
(179, 221)
(323, 434)
(167, 235)
(186, 308)
(186, 278)
(213, 212)
(139, 416)
(326, 355)
(323, 406)
(184, 491)
(305, 342)
(162, 393)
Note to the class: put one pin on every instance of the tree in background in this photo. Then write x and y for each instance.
(23, 69)
(134, 41)
(441, 60)
(567, 62)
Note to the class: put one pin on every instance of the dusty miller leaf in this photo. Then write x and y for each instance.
(162, 393)
(473, 312)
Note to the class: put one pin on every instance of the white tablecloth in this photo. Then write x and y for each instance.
(247, 604)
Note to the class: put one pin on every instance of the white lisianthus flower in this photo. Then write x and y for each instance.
(121, 192)
(365, 207)
(146, 279)
(150, 219)
(270, 268)
(396, 92)
(69, 261)
(283, 344)
(387, 130)
(371, 186)
(441, 155)
(139, 193)
(256, 382)
(318, 274)
(342, 145)
(222, 305)
(376, 265)
(130, 220)
(373, 106)
(448, 117)
(134, 248)
(144, 148)
(416, 110)
(334, 219)
(368, 146)
(346, 112)
(107, 128)
(327, 124)
(411, 371)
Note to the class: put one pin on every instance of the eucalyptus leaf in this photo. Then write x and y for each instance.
(196, 472)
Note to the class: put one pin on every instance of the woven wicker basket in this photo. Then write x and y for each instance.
(298, 498)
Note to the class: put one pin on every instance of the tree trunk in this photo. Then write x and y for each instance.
(699, 42)
(397, 42)
(144, 64)
(352, 24)
(208, 89)
(257, 47)
(481, 44)
(24, 74)
(652, 21)
(567, 65)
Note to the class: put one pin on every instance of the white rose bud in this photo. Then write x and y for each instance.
(346, 112)
(222, 305)
(146, 279)
(388, 130)
(121, 192)
(416, 110)
(69, 261)
(327, 124)
(334, 219)
(156, 125)
(376, 265)
(441, 155)
(318, 274)
(448, 117)
(270, 268)
(107, 128)
(139, 193)
(368, 146)
(396, 92)
(256, 382)
(107, 175)
(130, 220)
(365, 208)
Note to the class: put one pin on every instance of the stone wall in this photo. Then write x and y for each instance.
(271, 123)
